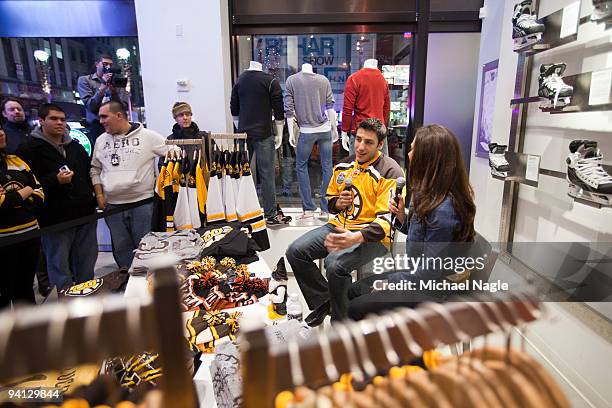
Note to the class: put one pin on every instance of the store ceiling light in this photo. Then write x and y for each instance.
(123, 53)
(41, 55)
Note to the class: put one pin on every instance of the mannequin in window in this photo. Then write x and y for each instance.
(311, 118)
(366, 95)
(255, 96)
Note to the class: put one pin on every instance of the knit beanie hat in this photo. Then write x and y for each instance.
(180, 107)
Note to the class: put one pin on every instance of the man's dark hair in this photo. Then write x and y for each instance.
(45, 108)
(101, 56)
(7, 100)
(376, 126)
(116, 106)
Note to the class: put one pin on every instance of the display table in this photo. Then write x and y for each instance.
(254, 314)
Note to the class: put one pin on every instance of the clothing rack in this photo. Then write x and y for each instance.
(350, 347)
(206, 144)
(88, 330)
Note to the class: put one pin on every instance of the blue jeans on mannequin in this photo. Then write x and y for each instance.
(127, 229)
(264, 166)
(305, 144)
(71, 254)
(301, 255)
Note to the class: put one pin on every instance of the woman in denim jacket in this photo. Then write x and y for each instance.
(441, 214)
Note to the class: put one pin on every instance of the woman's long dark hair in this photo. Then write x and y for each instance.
(436, 171)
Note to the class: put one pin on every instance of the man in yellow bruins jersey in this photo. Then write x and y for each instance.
(356, 235)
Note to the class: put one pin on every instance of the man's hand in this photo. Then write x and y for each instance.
(398, 209)
(101, 199)
(64, 177)
(2, 190)
(342, 239)
(106, 77)
(344, 200)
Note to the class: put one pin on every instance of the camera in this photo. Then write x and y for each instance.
(117, 80)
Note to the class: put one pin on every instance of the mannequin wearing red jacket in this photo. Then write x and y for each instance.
(366, 95)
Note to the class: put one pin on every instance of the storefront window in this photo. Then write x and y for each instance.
(335, 56)
(22, 80)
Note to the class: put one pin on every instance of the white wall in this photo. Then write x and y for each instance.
(450, 88)
(201, 55)
(496, 30)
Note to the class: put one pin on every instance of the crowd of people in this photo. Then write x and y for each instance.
(47, 178)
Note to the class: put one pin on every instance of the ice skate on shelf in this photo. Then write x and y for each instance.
(552, 90)
(526, 30)
(587, 178)
(497, 160)
(602, 11)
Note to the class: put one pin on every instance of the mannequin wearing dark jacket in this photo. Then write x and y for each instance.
(71, 253)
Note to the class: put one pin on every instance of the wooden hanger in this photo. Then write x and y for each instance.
(408, 396)
(464, 370)
(457, 366)
(393, 388)
(529, 366)
(487, 375)
(436, 393)
(521, 388)
(383, 396)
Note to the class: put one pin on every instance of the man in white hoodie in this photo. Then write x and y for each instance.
(123, 175)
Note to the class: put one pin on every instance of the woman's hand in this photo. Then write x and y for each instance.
(399, 209)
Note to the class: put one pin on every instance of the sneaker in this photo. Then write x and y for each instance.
(273, 221)
(323, 216)
(307, 214)
(285, 219)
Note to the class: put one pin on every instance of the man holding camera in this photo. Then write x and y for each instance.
(62, 166)
(97, 88)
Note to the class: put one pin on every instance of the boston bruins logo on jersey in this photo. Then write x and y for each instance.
(12, 186)
(85, 288)
(355, 209)
(215, 235)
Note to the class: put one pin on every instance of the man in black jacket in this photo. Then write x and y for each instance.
(15, 124)
(184, 128)
(62, 167)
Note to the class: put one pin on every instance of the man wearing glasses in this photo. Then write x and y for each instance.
(94, 90)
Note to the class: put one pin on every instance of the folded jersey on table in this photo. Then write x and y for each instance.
(185, 245)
